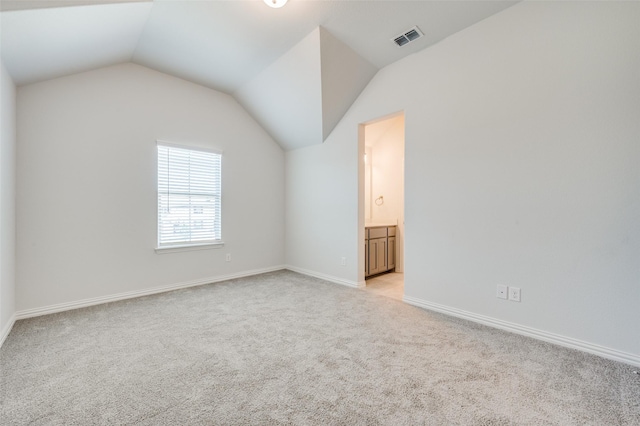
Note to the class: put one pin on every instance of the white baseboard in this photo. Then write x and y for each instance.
(557, 339)
(35, 312)
(325, 277)
(7, 329)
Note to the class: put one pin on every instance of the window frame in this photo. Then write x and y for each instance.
(184, 246)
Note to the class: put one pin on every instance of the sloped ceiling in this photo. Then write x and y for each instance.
(300, 97)
(224, 45)
(7, 5)
(344, 74)
(41, 44)
(286, 98)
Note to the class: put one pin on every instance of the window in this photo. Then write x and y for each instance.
(189, 192)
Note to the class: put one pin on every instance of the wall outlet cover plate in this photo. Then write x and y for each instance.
(514, 294)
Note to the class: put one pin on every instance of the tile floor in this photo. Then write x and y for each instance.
(389, 285)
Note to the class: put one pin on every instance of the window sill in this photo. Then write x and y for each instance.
(190, 247)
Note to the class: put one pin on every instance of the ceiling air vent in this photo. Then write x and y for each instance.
(407, 37)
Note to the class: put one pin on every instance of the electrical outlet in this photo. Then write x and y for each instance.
(514, 294)
(502, 292)
(228, 258)
(343, 261)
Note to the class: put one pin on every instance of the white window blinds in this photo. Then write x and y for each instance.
(189, 192)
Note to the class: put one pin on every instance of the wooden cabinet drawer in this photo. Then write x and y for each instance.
(392, 231)
(377, 233)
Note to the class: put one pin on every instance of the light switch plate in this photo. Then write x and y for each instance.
(501, 292)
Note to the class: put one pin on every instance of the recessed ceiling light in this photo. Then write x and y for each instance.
(275, 3)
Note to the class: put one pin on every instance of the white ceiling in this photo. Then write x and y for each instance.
(302, 96)
(6, 5)
(40, 44)
(220, 44)
(234, 46)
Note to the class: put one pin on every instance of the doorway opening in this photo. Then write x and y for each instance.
(381, 193)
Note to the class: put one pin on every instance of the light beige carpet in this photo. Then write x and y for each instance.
(283, 348)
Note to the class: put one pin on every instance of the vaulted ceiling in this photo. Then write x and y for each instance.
(241, 47)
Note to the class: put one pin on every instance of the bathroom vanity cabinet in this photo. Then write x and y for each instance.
(380, 250)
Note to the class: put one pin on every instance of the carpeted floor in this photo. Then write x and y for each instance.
(283, 348)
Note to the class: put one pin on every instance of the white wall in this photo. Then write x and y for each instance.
(387, 162)
(521, 163)
(321, 186)
(7, 200)
(387, 180)
(368, 200)
(86, 184)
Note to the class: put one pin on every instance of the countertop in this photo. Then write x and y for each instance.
(379, 224)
